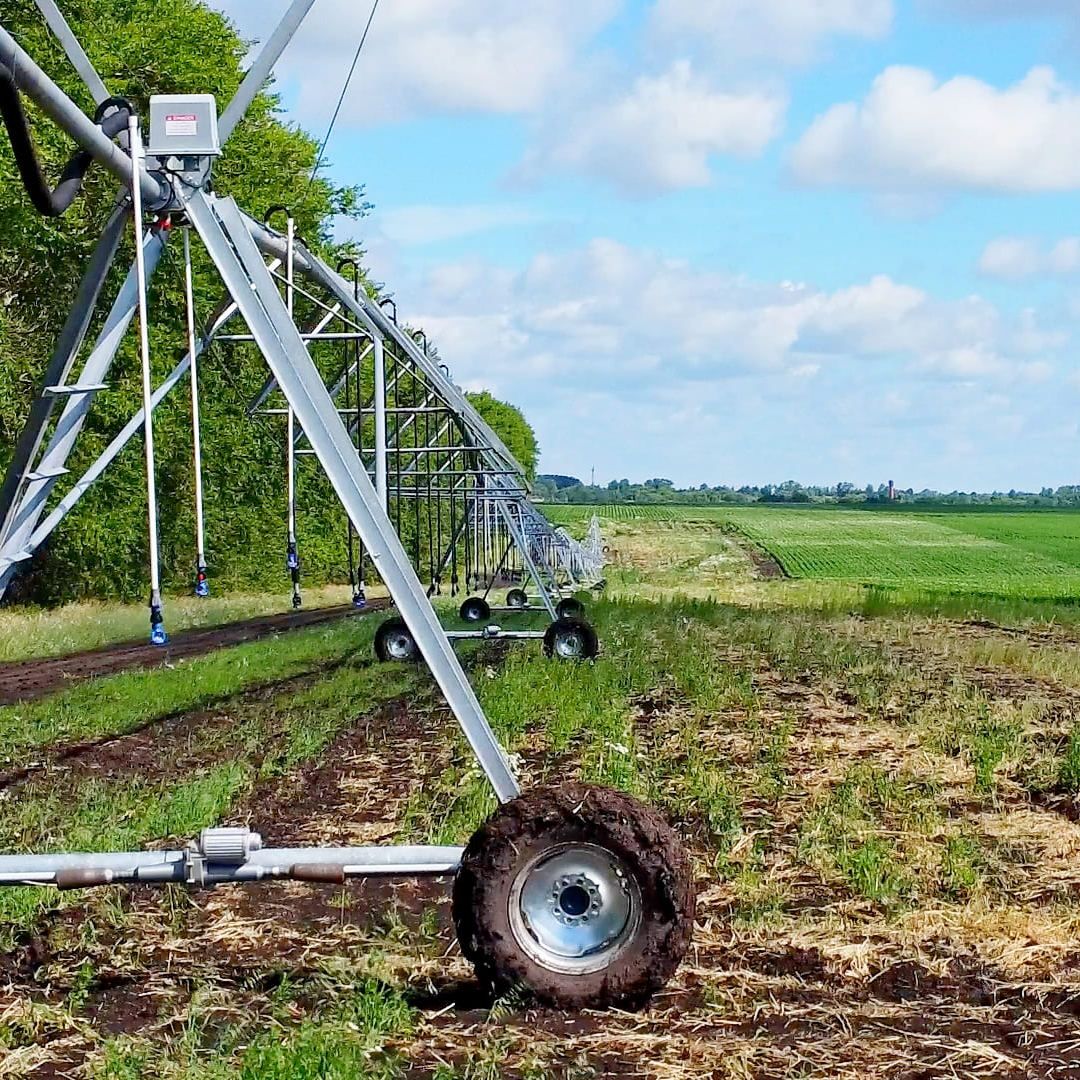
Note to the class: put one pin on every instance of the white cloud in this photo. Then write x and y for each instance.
(1014, 258)
(660, 135)
(411, 226)
(912, 132)
(614, 317)
(717, 376)
(787, 31)
(429, 56)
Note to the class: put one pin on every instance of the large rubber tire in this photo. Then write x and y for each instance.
(475, 609)
(510, 849)
(570, 608)
(517, 599)
(394, 643)
(571, 639)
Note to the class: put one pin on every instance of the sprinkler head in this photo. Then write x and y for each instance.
(359, 600)
(157, 623)
(202, 584)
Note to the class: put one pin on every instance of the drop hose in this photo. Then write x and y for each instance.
(51, 202)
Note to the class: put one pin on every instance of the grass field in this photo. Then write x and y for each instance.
(37, 632)
(881, 802)
(1032, 555)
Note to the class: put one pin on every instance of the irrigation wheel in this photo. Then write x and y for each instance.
(517, 599)
(570, 608)
(394, 642)
(571, 639)
(475, 609)
(581, 895)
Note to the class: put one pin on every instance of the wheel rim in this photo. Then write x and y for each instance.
(515, 600)
(400, 645)
(574, 908)
(570, 644)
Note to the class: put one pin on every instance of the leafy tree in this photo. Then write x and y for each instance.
(509, 423)
(142, 47)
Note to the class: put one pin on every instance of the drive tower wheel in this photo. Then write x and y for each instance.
(571, 639)
(580, 894)
(475, 609)
(394, 643)
(517, 599)
(570, 608)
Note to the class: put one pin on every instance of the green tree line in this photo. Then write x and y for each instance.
(559, 488)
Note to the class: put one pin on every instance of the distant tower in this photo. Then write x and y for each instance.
(592, 480)
(892, 492)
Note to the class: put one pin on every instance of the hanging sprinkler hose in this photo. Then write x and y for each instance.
(356, 572)
(292, 564)
(202, 582)
(157, 620)
(292, 556)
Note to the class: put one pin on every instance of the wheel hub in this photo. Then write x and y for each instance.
(399, 645)
(570, 645)
(576, 900)
(574, 908)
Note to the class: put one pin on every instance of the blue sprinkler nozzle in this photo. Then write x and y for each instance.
(202, 583)
(157, 627)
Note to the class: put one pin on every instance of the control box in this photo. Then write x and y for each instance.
(183, 125)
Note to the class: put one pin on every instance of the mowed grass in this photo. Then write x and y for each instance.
(121, 703)
(1035, 556)
(28, 632)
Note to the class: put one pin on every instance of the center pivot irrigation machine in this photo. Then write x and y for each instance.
(579, 894)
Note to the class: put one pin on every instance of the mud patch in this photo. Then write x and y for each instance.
(766, 566)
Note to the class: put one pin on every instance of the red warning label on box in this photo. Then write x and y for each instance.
(181, 125)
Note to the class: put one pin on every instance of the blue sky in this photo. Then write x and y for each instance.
(728, 241)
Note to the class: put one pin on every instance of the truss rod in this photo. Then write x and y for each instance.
(111, 452)
(74, 50)
(224, 232)
(70, 341)
(262, 68)
(54, 459)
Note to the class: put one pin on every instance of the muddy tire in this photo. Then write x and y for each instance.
(570, 608)
(475, 609)
(571, 639)
(394, 643)
(517, 599)
(581, 895)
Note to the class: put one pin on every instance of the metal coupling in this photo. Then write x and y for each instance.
(228, 845)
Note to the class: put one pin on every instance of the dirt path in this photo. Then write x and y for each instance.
(26, 680)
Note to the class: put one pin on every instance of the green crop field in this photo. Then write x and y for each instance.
(1016, 554)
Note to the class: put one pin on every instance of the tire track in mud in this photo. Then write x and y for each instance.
(246, 940)
(138, 749)
(28, 680)
(352, 793)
